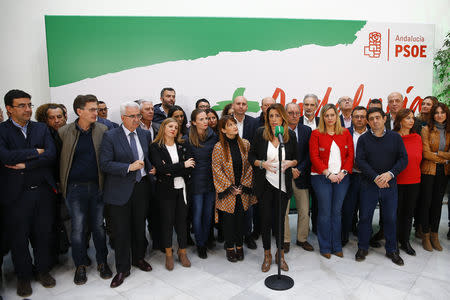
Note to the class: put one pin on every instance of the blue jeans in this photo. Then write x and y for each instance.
(202, 212)
(388, 197)
(85, 205)
(349, 207)
(330, 197)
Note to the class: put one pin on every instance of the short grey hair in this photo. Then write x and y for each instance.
(311, 96)
(343, 98)
(142, 102)
(291, 103)
(123, 107)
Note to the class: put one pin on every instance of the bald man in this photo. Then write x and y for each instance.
(265, 103)
(345, 104)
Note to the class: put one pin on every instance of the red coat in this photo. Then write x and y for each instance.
(319, 150)
(413, 145)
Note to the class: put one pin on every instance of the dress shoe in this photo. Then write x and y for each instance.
(240, 254)
(374, 244)
(250, 242)
(379, 235)
(46, 280)
(182, 257)
(143, 265)
(339, 254)
(80, 275)
(396, 259)
(231, 255)
(201, 250)
(286, 247)
(305, 245)
(361, 254)
(326, 255)
(24, 288)
(265, 267)
(118, 279)
(104, 270)
(407, 248)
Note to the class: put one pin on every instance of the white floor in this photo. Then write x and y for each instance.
(425, 276)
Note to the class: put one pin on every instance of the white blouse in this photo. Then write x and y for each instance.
(334, 161)
(272, 178)
(178, 182)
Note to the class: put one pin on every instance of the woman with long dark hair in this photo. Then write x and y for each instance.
(435, 169)
(233, 177)
(201, 140)
(331, 152)
(427, 103)
(173, 162)
(176, 112)
(264, 158)
(408, 181)
(213, 120)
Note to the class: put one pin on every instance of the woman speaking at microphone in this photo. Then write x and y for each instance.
(331, 153)
(263, 157)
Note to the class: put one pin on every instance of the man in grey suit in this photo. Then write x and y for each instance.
(124, 160)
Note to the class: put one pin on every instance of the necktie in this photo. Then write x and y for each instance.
(135, 154)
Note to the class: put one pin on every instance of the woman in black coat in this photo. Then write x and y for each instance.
(173, 164)
(263, 157)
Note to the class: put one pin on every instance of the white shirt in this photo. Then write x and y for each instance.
(273, 178)
(311, 124)
(334, 161)
(138, 146)
(150, 129)
(178, 182)
(240, 126)
(391, 119)
(356, 136)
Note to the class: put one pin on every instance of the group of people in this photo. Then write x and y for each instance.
(154, 172)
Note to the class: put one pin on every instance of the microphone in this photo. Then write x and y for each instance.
(279, 131)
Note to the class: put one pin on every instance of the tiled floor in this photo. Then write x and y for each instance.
(425, 276)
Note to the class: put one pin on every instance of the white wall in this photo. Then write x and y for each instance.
(23, 54)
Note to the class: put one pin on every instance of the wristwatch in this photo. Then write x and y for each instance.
(345, 172)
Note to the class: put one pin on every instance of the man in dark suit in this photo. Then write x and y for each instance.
(345, 104)
(301, 180)
(28, 152)
(265, 103)
(247, 126)
(124, 160)
(103, 113)
(310, 105)
(351, 201)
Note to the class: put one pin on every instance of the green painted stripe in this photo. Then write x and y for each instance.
(81, 47)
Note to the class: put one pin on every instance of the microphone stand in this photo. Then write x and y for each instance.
(279, 282)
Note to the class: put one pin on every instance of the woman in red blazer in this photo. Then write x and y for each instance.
(408, 181)
(331, 152)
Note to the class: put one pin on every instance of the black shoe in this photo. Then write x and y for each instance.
(305, 245)
(286, 247)
(396, 259)
(231, 255)
(105, 271)
(202, 252)
(250, 242)
(361, 254)
(24, 288)
(378, 236)
(407, 248)
(46, 280)
(80, 276)
(374, 244)
(240, 254)
(190, 241)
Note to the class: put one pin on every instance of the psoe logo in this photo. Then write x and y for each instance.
(374, 48)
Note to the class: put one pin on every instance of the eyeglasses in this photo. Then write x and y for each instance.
(23, 105)
(103, 109)
(91, 110)
(138, 116)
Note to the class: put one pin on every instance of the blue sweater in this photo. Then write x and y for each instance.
(376, 155)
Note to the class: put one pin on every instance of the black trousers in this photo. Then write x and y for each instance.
(233, 225)
(128, 227)
(268, 208)
(174, 214)
(432, 192)
(154, 219)
(32, 218)
(407, 199)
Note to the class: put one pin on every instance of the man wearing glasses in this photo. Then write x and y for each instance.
(124, 160)
(28, 156)
(82, 184)
(103, 114)
(345, 104)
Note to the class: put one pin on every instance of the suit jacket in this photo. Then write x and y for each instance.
(15, 148)
(302, 118)
(107, 123)
(250, 127)
(304, 163)
(166, 171)
(258, 151)
(341, 117)
(115, 158)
